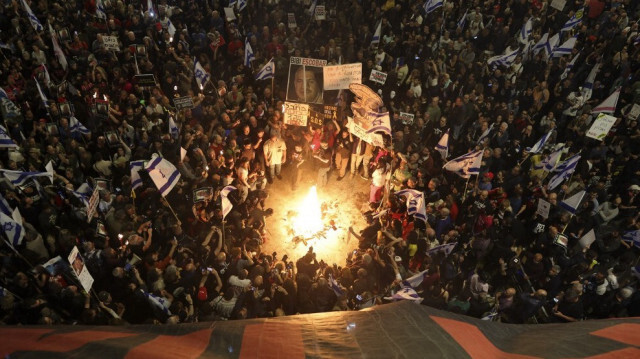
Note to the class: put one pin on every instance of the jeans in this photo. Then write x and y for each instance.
(274, 170)
(323, 178)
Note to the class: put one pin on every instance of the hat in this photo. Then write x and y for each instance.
(634, 188)
(489, 175)
(202, 294)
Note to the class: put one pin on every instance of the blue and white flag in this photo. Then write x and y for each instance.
(174, 131)
(13, 229)
(587, 88)
(136, 166)
(201, 75)
(574, 21)
(540, 144)
(32, 18)
(150, 8)
(18, 178)
(415, 203)
(163, 173)
(525, 32)
(431, 5)
(3, 94)
(226, 203)
(609, 104)
(443, 145)
(406, 293)
(550, 162)
(463, 20)
(248, 54)
(83, 193)
(485, 135)
(4, 206)
(5, 139)
(466, 165)
(504, 60)
(380, 122)
(541, 44)
(551, 44)
(565, 169)
(632, 237)
(333, 284)
(76, 126)
(446, 248)
(572, 203)
(569, 67)
(565, 48)
(375, 40)
(267, 72)
(416, 279)
(159, 303)
(242, 4)
(100, 12)
(233, 3)
(171, 30)
(312, 8)
(43, 97)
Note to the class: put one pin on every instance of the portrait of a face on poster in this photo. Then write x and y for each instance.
(305, 80)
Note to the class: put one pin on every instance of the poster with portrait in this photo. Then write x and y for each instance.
(80, 269)
(202, 194)
(305, 83)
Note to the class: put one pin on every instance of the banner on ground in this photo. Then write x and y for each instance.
(601, 127)
(80, 269)
(296, 114)
(110, 43)
(338, 77)
(356, 128)
(305, 80)
(378, 76)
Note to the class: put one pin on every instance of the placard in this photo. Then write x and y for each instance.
(202, 194)
(229, 14)
(358, 131)
(339, 77)
(558, 4)
(80, 269)
(316, 118)
(588, 239)
(601, 127)
(93, 203)
(305, 80)
(406, 118)
(634, 112)
(321, 13)
(292, 20)
(110, 43)
(544, 208)
(145, 80)
(378, 76)
(296, 114)
(183, 103)
(331, 113)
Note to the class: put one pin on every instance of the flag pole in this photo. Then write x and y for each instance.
(525, 158)
(171, 208)
(464, 194)
(272, 89)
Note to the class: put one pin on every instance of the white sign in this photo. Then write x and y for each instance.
(93, 204)
(634, 112)
(406, 118)
(292, 20)
(378, 76)
(587, 239)
(110, 43)
(321, 14)
(543, 208)
(229, 14)
(80, 269)
(360, 132)
(339, 77)
(601, 126)
(296, 114)
(558, 4)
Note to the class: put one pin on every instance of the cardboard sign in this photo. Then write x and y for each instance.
(316, 118)
(331, 113)
(406, 118)
(544, 208)
(110, 43)
(80, 269)
(558, 4)
(321, 13)
(292, 20)
(378, 76)
(183, 103)
(339, 77)
(93, 203)
(601, 127)
(588, 239)
(145, 80)
(229, 14)
(360, 132)
(634, 112)
(296, 114)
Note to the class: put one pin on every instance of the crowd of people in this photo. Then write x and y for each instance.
(170, 259)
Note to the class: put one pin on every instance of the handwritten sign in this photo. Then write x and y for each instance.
(183, 103)
(406, 118)
(321, 13)
(378, 76)
(110, 43)
(292, 20)
(634, 112)
(339, 77)
(93, 204)
(316, 118)
(360, 132)
(601, 127)
(543, 208)
(296, 114)
(558, 4)
(229, 14)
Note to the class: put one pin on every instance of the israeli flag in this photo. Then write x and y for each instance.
(171, 29)
(587, 88)
(32, 18)
(18, 178)
(13, 229)
(136, 166)
(569, 67)
(376, 35)
(76, 126)
(83, 193)
(100, 13)
(463, 20)
(632, 237)
(540, 144)
(574, 21)
(415, 203)
(565, 48)
(406, 293)
(525, 32)
(380, 122)
(446, 248)
(443, 145)
(159, 303)
(572, 203)
(201, 75)
(431, 5)
(551, 44)
(466, 165)
(333, 284)
(43, 97)
(5, 139)
(226, 203)
(173, 128)
(242, 4)
(566, 169)
(3, 94)
(485, 134)
(550, 162)
(504, 60)
(233, 3)
(57, 50)
(541, 44)
(163, 173)
(248, 53)
(267, 72)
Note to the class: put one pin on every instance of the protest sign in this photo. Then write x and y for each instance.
(296, 114)
(80, 269)
(378, 77)
(543, 208)
(145, 80)
(183, 103)
(634, 112)
(110, 43)
(321, 13)
(93, 203)
(229, 14)
(292, 20)
(558, 4)
(406, 118)
(316, 117)
(357, 130)
(339, 77)
(588, 239)
(305, 80)
(330, 113)
(601, 126)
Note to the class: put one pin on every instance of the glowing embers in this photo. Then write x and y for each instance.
(307, 221)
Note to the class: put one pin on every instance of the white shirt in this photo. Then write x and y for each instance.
(378, 177)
